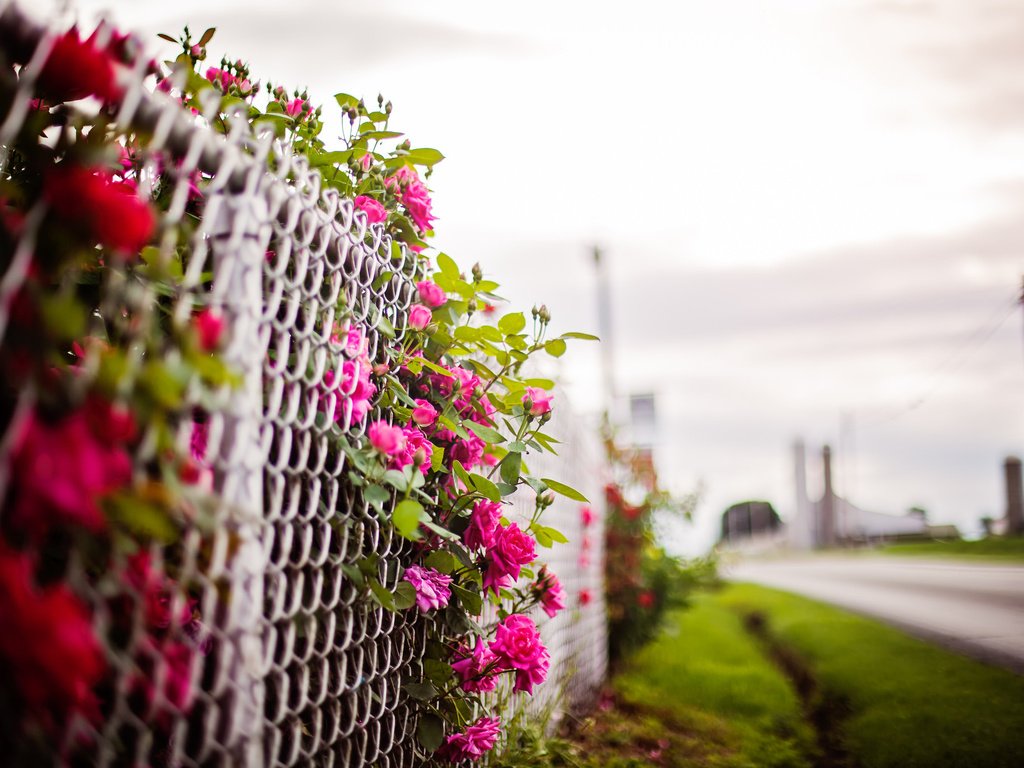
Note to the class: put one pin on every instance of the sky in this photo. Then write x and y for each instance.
(812, 212)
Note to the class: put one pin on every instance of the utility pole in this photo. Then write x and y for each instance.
(604, 329)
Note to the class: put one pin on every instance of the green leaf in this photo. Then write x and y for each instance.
(425, 156)
(436, 368)
(470, 600)
(555, 347)
(437, 671)
(420, 691)
(444, 533)
(512, 323)
(441, 561)
(486, 433)
(540, 534)
(207, 36)
(565, 490)
(467, 333)
(397, 479)
(537, 485)
(505, 489)
(486, 487)
(141, 518)
(407, 516)
(447, 266)
(345, 100)
(430, 732)
(376, 495)
(381, 134)
(581, 336)
(405, 596)
(382, 278)
(510, 467)
(384, 598)
(557, 535)
(542, 383)
(462, 474)
(63, 316)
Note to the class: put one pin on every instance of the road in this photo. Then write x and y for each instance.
(975, 609)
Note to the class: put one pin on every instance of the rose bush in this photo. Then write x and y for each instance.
(111, 451)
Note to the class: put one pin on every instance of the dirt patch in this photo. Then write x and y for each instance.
(823, 710)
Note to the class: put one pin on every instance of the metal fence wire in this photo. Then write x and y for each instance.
(286, 661)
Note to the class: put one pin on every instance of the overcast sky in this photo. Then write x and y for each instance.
(813, 212)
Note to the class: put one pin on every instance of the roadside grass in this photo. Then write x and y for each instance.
(910, 704)
(999, 548)
(701, 694)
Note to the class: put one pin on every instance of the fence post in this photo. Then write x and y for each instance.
(239, 236)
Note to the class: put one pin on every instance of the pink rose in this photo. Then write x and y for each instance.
(549, 590)
(209, 325)
(424, 413)
(540, 401)
(471, 744)
(586, 516)
(585, 597)
(419, 317)
(62, 469)
(295, 107)
(469, 452)
(385, 438)
(431, 294)
(375, 212)
(366, 162)
(511, 550)
(418, 450)
(483, 525)
(517, 645)
(477, 671)
(432, 592)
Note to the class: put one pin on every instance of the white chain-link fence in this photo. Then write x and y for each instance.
(293, 664)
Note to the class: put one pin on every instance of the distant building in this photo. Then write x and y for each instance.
(749, 519)
(832, 520)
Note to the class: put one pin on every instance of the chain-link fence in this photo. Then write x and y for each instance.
(278, 658)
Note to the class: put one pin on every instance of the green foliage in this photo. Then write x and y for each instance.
(911, 704)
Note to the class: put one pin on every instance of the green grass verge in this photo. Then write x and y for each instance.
(998, 548)
(911, 704)
(701, 694)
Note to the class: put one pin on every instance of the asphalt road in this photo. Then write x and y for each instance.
(975, 609)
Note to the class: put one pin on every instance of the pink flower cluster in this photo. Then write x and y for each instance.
(432, 587)
(472, 743)
(401, 445)
(65, 467)
(414, 195)
(355, 391)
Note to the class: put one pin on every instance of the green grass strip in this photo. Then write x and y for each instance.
(995, 548)
(706, 679)
(911, 704)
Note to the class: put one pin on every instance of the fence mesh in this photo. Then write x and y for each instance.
(270, 654)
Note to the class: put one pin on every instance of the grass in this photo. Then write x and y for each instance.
(701, 694)
(910, 704)
(1000, 548)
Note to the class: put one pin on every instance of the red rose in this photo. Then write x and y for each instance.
(47, 648)
(110, 212)
(75, 69)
